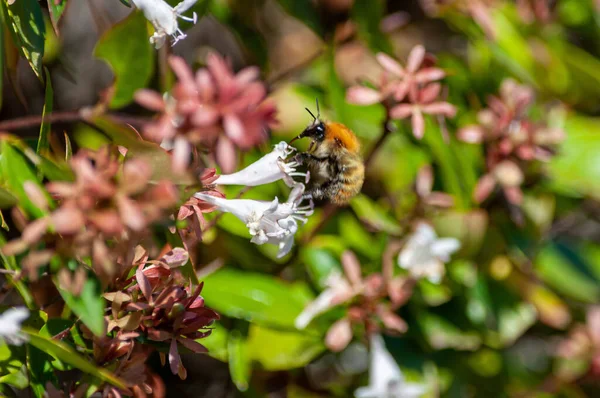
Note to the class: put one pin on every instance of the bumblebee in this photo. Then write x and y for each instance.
(333, 159)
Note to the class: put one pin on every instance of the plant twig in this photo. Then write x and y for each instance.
(65, 117)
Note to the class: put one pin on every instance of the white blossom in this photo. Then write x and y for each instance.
(10, 325)
(424, 254)
(268, 222)
(270, 168)
(338, 291)
(385, 377)
(164, 19)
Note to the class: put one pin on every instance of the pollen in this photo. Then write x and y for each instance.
(343, 136)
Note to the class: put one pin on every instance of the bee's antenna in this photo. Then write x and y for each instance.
(308, 110)
(318, 110)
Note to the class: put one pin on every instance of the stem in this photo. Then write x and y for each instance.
(330, 209)
(64, 117)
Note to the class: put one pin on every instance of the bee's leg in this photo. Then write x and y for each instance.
(327, 190)
(308, 158)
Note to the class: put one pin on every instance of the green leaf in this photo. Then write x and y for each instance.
(68, 148)
(276, 350)
(448, 163)
(575, 171)
(26, 23)
(55, 326)
(368, 15)
(563, 275)
(43, 144)
(372, 213)
(254, 297)
(319, 264)
(15, 171)
(63, 352)
(216, 342)
(56, 11)
(127, 50)
(40, 370)
(7, 199)
(12, 370)
(55, 170)
(10, 263)
(357, 238)
(89, 305)
(240, 365)
(441, 334)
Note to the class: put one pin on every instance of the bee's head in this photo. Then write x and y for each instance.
(316, 130)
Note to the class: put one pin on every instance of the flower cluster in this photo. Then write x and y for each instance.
(407, 92)
(512, 141)
(272, 222)
(213, 107)
(152, 299)
(103, 213)
(583, 343)
(373, 300)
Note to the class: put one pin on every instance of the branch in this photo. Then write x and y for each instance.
(65, 117)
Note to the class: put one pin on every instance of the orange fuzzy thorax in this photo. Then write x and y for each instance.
(342, 135)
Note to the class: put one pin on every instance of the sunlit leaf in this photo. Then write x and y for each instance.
(88, 306)
(216, 342)
(14, 172)
(373, 214)
(563, 275)
(26, 23)
(56, 8)
(240, 365)
(44, 139)
(440, 333)
(254, 297)
(127, 50)
(276, 350)
(62, 351)
(368, 14)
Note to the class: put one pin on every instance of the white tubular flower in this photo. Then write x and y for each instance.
(10, 325)
(338, 291)
(424, 254)
(385, 378)
(268, 222)
(270, 168)
(164, 19)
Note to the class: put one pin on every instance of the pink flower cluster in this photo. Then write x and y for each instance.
(407, 92)
(511, 139)
(214, 107)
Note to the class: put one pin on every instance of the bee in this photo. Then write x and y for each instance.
(333, 159)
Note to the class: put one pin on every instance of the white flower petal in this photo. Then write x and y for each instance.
(412, 390)
(443, 248)
(321, 304)
(268, 222)
(367, 392)
(424, 254)
(383, 370)
(10, 325)
(268, 169)
(385, 377)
